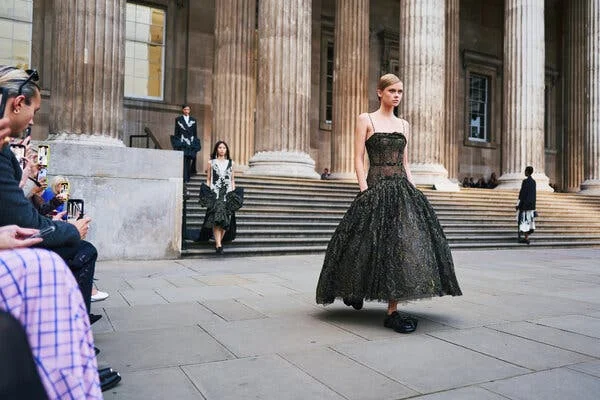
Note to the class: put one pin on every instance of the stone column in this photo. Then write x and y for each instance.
(524, 76)
(234, 77)
(450, 144)
(350, 77)
(422, 64)
(283, 91)
(574, 89)
(591, 185)
(88, 63)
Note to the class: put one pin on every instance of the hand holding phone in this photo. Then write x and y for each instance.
(43, 232)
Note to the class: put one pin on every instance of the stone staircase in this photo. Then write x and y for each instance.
(291, 216)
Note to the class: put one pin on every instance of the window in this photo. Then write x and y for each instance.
(144, 51)
(479, 108)
(326, 79)
(483, 100)
(15, 32)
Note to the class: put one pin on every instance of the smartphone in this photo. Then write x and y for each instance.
(75, 209)
(64, 188)
(43, 232)
(19, 152)
(43, 154)
(42, 174)
(27, 132)
(3, 99)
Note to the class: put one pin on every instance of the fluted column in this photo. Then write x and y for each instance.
(234, 77)
(88, 63)
(350, 76)
(450, 144)
(282, 137)
(524, 76)
(574, 89)
(591, 185)
(422, 65)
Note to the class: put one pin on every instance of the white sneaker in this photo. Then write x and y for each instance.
(99, 296)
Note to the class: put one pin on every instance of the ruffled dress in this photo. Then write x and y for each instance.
(389, 244)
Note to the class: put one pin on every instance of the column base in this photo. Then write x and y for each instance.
(94, 140)
(513, 181)
(293, 164)
(434, 175)
(590, 187)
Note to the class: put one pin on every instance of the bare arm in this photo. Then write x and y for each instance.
(405, 158)
(208, 173)
(360, 136)
(232, 180)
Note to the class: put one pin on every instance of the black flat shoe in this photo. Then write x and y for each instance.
(110, 381)
(105, 372)
(399, 323)
(219, 250)
(94, 318)
(96, 350)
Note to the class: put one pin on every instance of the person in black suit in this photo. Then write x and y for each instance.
(186, 139)
(526, 206)
(23, 100)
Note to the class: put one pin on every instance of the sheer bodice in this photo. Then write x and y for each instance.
(386, 154)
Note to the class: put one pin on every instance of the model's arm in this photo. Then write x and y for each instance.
(405, 157)
(360, 136)
(208, 173)
(232, 180)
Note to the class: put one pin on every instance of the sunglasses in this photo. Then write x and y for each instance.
(33, 77)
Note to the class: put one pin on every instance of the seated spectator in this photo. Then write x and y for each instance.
(471, 182)
(493, 182)
(56, 193)
(481, 183)
(39, 290)
(325, 175)
(465, 182)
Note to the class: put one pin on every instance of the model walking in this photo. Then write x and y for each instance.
(389, 246)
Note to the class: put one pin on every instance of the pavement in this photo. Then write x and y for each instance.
(527, 327)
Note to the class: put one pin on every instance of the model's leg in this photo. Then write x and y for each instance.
(392, 306)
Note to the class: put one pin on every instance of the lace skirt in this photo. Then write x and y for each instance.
(388, 246)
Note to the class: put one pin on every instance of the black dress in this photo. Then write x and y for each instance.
(389, 245)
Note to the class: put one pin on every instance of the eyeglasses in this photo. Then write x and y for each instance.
(33, 76)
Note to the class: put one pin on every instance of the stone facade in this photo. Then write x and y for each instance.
(298, 76)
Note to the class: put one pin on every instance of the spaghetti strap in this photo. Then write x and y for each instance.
(372, 124)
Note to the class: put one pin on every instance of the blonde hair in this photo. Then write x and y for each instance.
(57, 180)
(11, 78)
(387, 80)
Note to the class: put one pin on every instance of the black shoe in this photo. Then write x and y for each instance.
(400, 323)
(219, 250)
(357, 304)
(94, 318)
(96, 351)
(110, 381)
(105, 372)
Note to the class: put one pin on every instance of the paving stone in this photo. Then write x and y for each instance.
(581, 324)
(591, 368)
(427, 364)
(273, 335)
(268, 289)
(222, 280)
(232, 310)
(280, 306)
(468, 393)
(103, 325)
(159, 316)
(155, 384)
(523, 352)
(347, 377)
(264, 378)
(149, 283)
(556, 337)
(157, 348)
(115, 299)
(556, 384)
(140, 297)
(184, 281)
(204, 293)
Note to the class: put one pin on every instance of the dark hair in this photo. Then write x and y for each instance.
(528, 171)
(184, 106)
(213, 155)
